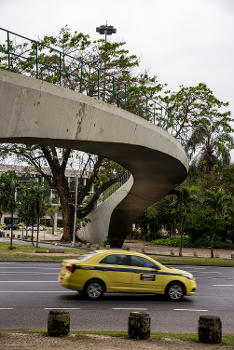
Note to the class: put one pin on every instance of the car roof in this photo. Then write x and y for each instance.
(120, 251)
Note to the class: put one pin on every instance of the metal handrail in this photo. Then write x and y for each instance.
(129, 97)
(113, 188)
(106, 86)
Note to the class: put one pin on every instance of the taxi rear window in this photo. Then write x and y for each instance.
(86, 256)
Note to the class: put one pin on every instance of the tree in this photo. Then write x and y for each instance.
(212, 146)
(217, 200)
(98, 69)
(8, 188)
(193, 109)
(185, 197)
(32, 199)
(52, 210)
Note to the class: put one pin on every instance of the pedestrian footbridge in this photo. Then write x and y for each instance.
(33, 111)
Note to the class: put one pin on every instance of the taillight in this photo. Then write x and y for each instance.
(71, 267)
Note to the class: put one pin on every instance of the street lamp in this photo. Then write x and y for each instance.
(107, 30)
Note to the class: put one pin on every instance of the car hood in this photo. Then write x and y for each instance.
(178, 271)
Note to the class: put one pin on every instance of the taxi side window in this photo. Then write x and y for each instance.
(116, 259)
(142, 262)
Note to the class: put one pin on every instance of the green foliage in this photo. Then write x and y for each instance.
(188, 243)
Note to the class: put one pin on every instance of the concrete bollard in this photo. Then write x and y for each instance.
(58, 323)
(56, 250)
(209, 329)
(139, 325)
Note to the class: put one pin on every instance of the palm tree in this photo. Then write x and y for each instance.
(52, 210)
(210, 146)
(185, 197)
(217, 200)
(8, 188)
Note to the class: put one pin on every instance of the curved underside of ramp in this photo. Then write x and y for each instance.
(32, 111)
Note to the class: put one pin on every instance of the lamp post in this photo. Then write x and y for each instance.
(106, 30)
(75, 214)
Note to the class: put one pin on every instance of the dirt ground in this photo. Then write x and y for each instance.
(23, 341)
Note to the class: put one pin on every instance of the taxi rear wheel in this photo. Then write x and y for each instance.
(94, 289)
(175, 291)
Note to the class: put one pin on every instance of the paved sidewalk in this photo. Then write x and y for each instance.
(46, 238)
(165, 250)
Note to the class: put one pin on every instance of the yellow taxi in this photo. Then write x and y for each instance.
(121, 271)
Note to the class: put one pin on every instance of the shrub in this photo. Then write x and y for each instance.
(188, 243)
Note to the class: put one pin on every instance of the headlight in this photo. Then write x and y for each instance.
(189, 276)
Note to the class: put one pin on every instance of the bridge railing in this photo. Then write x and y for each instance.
(36, 59)
(113, 188)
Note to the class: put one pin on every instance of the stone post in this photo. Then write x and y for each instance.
(139, 325)
(210, 329)
(58, 323)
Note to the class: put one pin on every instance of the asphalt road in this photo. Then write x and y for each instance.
(29, 290)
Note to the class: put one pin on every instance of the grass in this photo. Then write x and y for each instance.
(227, 338)
(30, 253)
(175, 260)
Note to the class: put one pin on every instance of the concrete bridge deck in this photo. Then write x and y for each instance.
(33, 111)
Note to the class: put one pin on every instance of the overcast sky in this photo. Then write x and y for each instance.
(181, 41)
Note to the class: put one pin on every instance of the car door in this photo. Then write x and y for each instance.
(118, 273)
(146, 276)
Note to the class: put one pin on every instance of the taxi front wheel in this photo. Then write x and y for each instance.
(175, 291)
(94, 289)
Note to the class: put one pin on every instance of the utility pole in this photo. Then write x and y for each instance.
(75, 214)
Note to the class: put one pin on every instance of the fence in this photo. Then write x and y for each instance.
(36, 59)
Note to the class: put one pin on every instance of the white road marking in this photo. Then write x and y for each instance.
(31, 267)
(6, 308)
(223, 285)
(28, 273)
(216, 273)
(194, 268)
(62, 308)
(35, 291)
(129, 308)
(28, 281)
(190, 310)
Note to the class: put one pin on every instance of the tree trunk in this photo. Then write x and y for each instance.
(212, 239)
(212, 246)
(66, 205)
(68, 219)
(143, 228)
(172, 229)
(32, 232)
(181, 236)
(12, 219)
(53, 223)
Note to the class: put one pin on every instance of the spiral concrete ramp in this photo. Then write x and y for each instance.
(33, 111)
